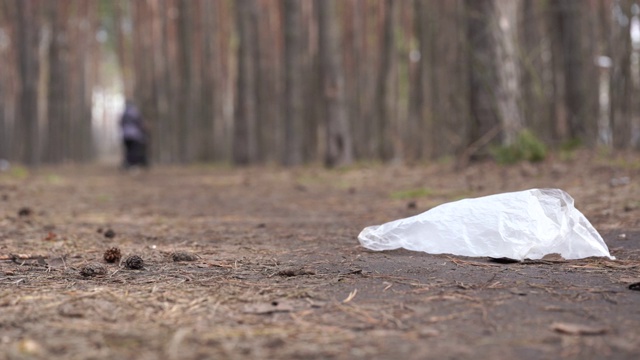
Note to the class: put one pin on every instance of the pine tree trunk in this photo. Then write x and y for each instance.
(384, 103)
(244, 136)
(338, 136)
(27, 39)
(293, 83)
(482, 75)
(508, 96)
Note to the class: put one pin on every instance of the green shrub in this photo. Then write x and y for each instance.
(527, 147)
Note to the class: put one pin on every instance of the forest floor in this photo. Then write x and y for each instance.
(277, 271)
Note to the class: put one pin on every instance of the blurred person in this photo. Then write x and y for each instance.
(134, 137)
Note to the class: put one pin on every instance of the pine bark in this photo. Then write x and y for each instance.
(338, 149)
(28, 28)
(293, 83)
(244, 136)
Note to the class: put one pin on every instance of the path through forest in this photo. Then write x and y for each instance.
(277, 271)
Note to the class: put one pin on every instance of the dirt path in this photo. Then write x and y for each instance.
(278, 272)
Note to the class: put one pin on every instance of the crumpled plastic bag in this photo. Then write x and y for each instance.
(518, 225)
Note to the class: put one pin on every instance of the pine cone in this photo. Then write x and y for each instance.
(24, 212)
(183, 256)
(112, 255)
(110, 234)
(134, 262)
(93, 269)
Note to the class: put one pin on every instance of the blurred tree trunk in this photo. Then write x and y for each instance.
(385, 105)
(506, 51)
(419, 134)
(579, 93)
(312, 129)
(244, 145)
(621, 78)
(293, 83)
(338, 136)
(360, 65)
(223, 141)
(450, 73)
(86, 53)
(268, 76)
(537, 84)
(185, 95)
(161, 134)
(123, 49)
(28, 37)
(58, 101)
(208, 74)
(483, 80)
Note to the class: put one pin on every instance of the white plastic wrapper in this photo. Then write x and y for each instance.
(519, 225)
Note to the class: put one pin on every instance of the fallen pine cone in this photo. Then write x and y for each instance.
(134, 262)
(112, 255)
(183, 256)
(110, 234)
(93, 269)
(25, 211)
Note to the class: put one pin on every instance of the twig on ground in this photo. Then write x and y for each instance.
(16, 257)
(351, 296)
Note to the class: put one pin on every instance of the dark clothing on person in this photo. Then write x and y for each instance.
(134, 137)
(135, 153)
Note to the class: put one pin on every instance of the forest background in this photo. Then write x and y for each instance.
(335, 81)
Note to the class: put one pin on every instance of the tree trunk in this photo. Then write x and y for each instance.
(185, 95)
(482, 75)
(508, 96)
(57, 101)
(338, 136)
(294, 86)
(578, 99)
(536, 84)
(123, 51)
(28, 27)
(418, 133)
(244, 144)
(208, 74)
(384, 102)
(621, 80)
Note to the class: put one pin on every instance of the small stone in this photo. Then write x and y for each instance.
(112, 255)
(134, 262)
(183, 256)
(29, 347)
(93, 269)
(110, 234)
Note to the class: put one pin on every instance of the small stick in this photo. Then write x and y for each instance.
(16, 257)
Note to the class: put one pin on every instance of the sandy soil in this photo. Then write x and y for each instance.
(277, 271)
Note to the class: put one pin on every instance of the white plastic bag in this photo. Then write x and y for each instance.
(519, 225)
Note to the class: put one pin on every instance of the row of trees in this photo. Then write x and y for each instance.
(297, 81)
(49, 59)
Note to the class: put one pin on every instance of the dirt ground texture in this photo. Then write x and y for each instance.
(277, 270)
